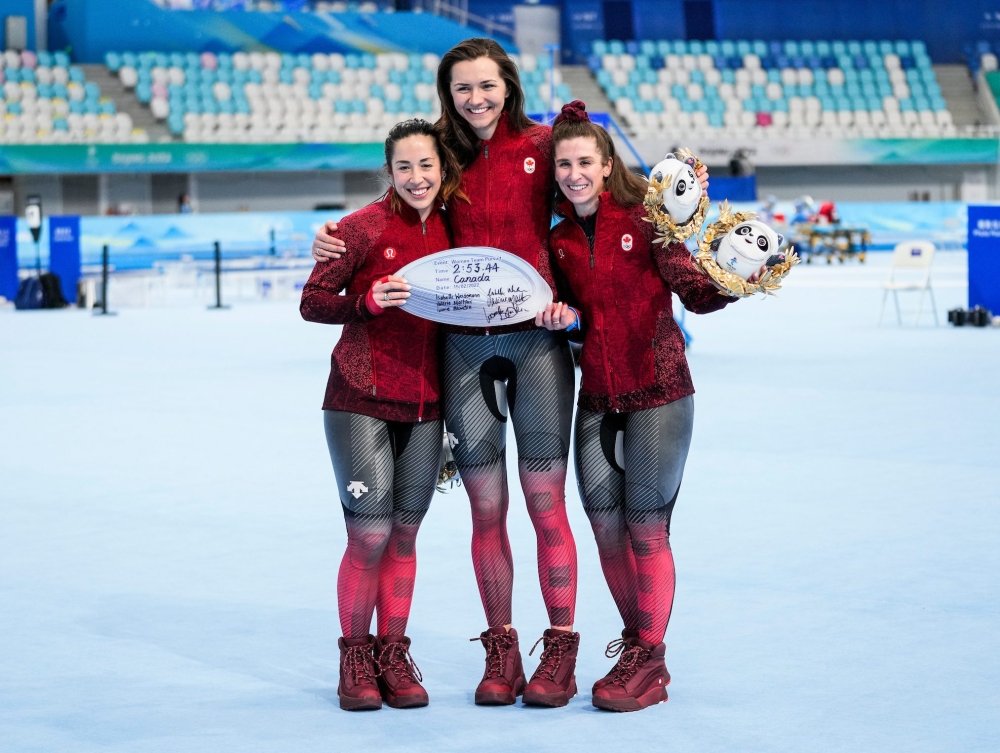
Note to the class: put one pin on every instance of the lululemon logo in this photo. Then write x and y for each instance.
(626, 242)
(529, 165)
(389, 253)
(562, 255)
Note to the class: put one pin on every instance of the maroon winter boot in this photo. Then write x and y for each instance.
(640, 679)
(614, 649)
(358, 690)
(554, 682)
(399, 676)
(503, 680)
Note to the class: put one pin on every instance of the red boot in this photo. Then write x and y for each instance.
(640, 679)
(503, 680)
(399, 677)
(554, 682)
(614, 649)
(358, 690)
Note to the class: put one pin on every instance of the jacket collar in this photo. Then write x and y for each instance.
(605, 202)
(407, 213)
(502, 132)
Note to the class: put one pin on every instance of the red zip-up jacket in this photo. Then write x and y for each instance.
(510, 187)
(633, 351)
(384, 365)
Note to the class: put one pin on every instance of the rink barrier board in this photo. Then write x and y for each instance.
(23, 159)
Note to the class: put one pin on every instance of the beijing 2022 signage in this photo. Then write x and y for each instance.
(475, 286)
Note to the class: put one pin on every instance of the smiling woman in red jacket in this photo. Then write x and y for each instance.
(382, 411)
(636, 408)
(516, 372)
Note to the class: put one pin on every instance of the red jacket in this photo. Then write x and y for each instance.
(510, 188)
(384, 365)
(633, 351)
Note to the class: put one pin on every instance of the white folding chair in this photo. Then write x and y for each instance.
(910, 258)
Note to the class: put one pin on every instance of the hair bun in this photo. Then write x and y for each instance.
(574, 112)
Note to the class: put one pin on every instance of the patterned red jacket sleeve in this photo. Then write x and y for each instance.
(696, 292)
(321, 299)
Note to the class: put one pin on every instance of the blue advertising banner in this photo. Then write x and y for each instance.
(64, 253)
(984, 257)
(8, 257)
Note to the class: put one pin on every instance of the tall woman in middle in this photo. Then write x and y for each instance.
(516, 372)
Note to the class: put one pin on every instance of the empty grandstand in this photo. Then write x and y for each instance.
(791, 89)
(269, 97)
(46, 100)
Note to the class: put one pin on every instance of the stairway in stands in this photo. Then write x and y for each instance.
(960, 94)
(126, 101)
(583, 85)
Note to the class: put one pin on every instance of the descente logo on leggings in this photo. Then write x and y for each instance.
(356, 488)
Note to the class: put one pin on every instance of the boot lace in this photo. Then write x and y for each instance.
(396, 658)
(497, 647)
(614, 648)
(628, 664)
(552, 654)
(359, 663)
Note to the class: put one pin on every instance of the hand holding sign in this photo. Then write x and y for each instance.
(475, 287)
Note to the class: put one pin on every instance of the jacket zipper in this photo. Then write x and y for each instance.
(489, 183)
(423, 348)
(489, 203)
(597, 288)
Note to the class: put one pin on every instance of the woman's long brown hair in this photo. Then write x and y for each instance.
(454, 129)
(451, 171)
(627, 188)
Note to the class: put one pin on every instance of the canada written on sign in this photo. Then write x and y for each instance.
(475, 287)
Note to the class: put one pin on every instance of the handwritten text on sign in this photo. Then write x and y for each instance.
(475, 287)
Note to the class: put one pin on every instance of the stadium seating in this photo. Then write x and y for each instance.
(320, 98)
(983, 56)
(278, 6)
(791, 89)
(48, 101)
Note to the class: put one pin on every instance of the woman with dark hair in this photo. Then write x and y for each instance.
(382, 411)
(636, 409)
(519, 372)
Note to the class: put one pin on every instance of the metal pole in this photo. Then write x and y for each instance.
(38, 258)
(273, 249)
(218, 278)
(104, 284)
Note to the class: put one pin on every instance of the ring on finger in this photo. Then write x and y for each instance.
(387, 296)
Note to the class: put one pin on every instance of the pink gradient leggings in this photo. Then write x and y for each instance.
(526, 377)
(386, 474)
(629, 467)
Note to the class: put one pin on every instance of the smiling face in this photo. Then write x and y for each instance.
(416, 172)
(479, 93)
(752, 240)
(680, 198)
(746, 247)
(580, 173)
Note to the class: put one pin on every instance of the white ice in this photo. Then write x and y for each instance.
(170, 534)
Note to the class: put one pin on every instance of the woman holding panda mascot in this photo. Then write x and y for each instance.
(636, 409)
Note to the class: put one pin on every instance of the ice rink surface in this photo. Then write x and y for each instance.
(170, 533)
